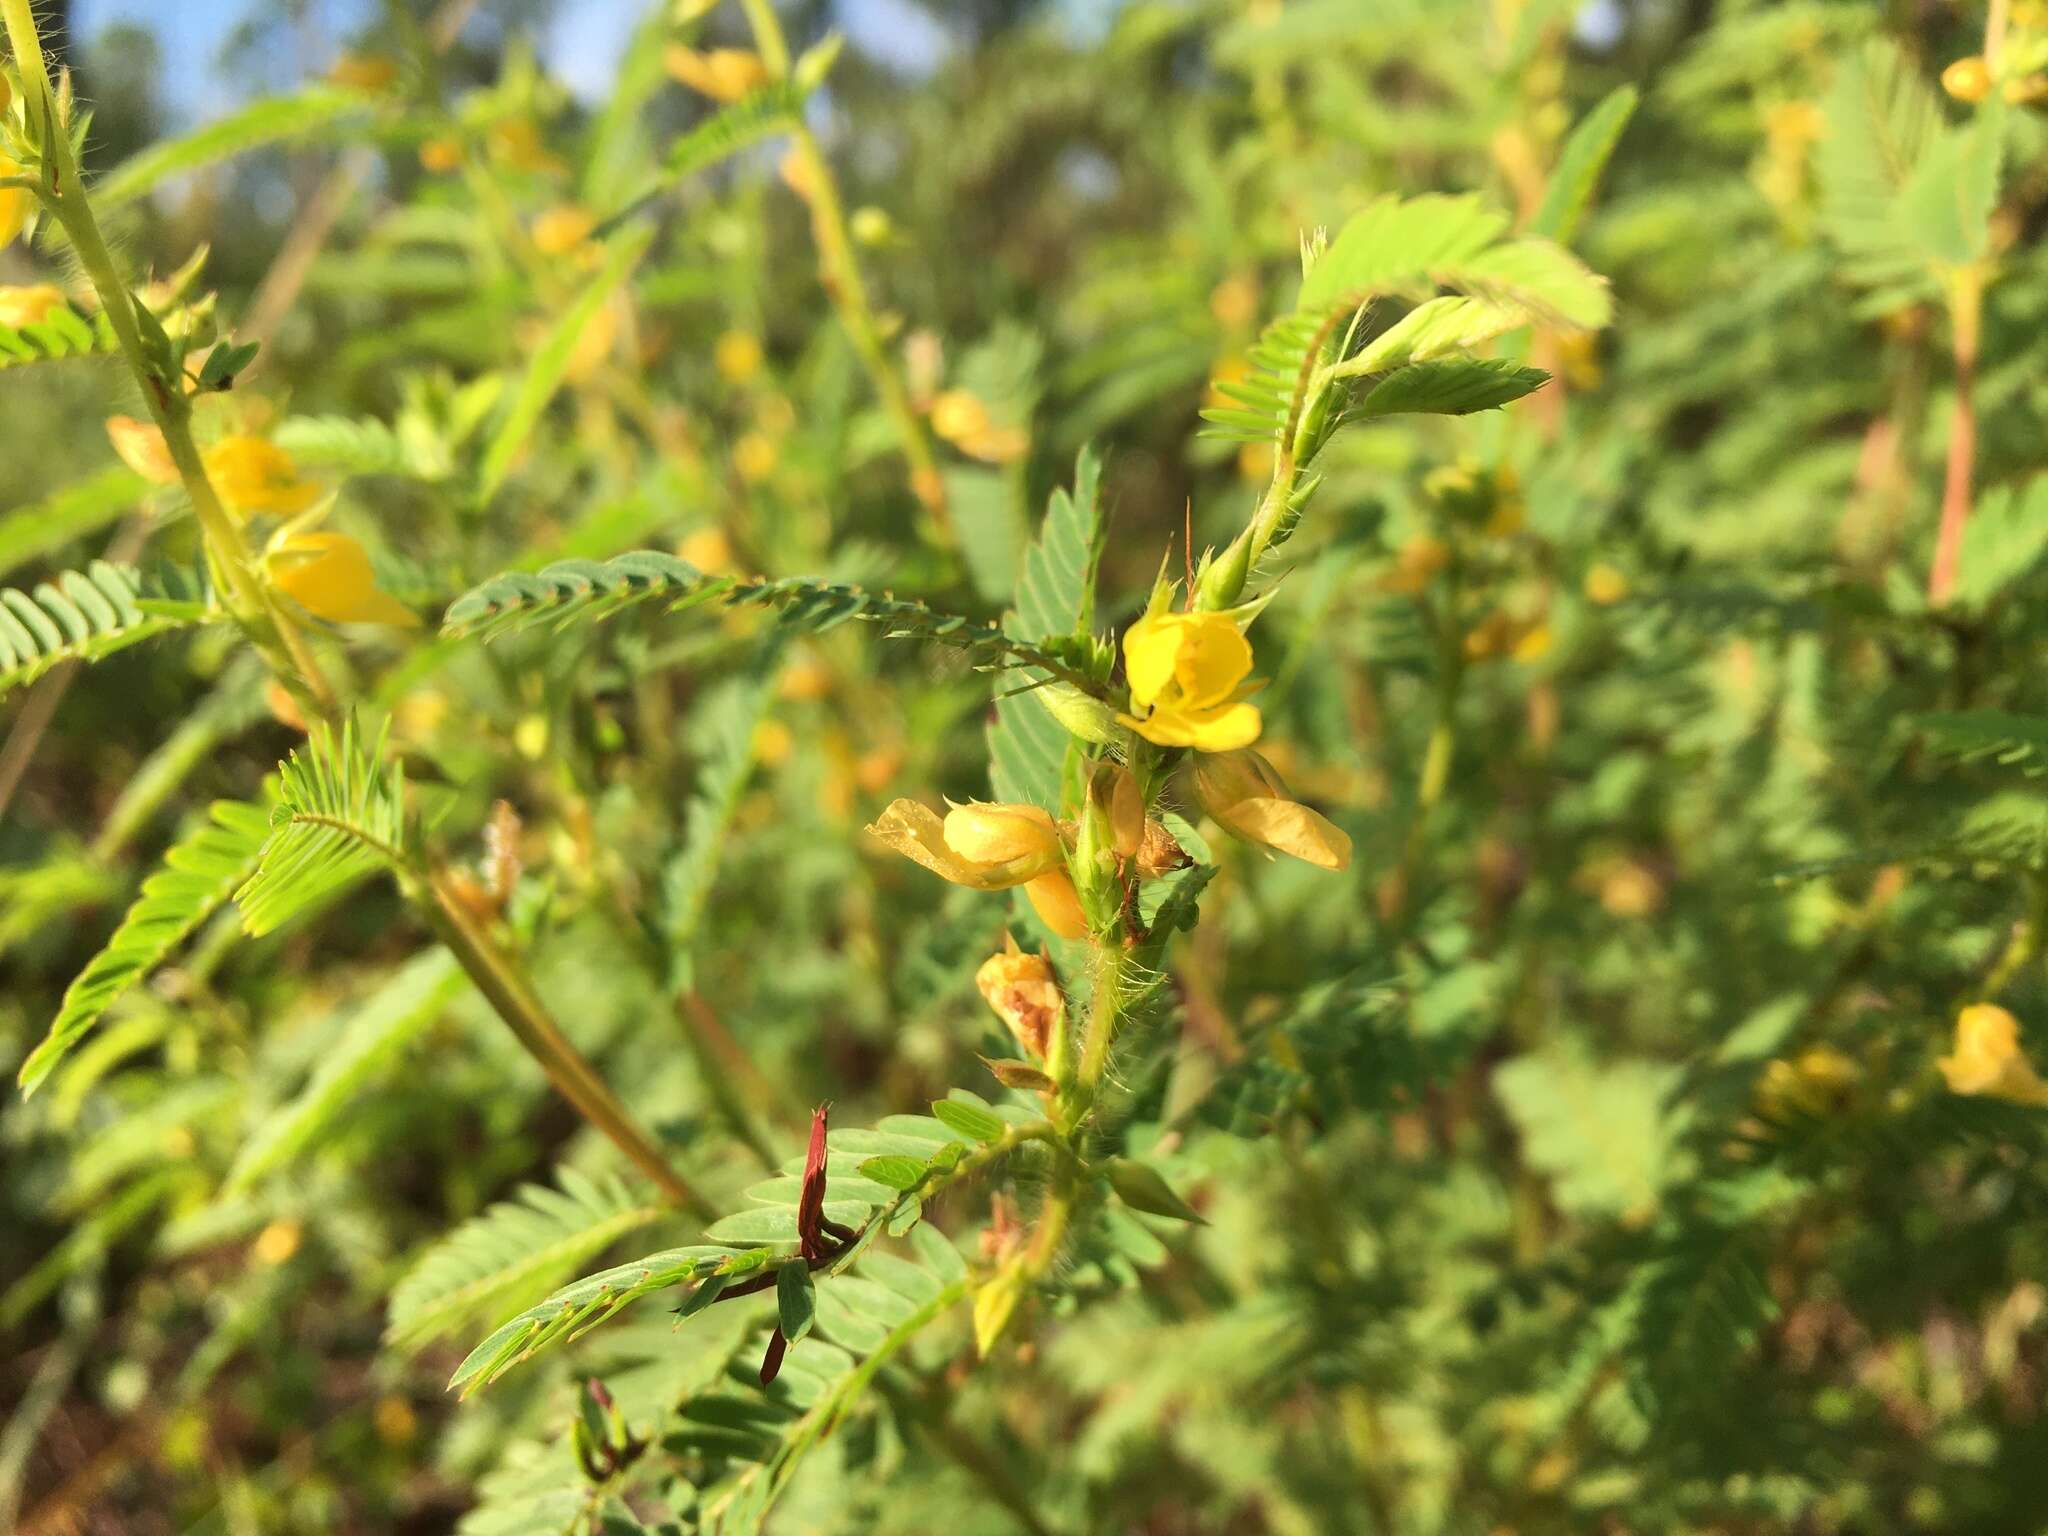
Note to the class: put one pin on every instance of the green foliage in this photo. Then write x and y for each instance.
(199, 875)
(511, 1250)
(340, 815)
(274, 120)
(63, 332)
(84, 616)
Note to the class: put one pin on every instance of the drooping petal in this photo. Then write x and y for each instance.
(916, 831)
(1290, 827)
(996, 834)
(1058, 904)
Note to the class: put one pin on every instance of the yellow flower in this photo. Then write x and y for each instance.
(737, 356)
(562, 229)
(329, 575)
(1025, 995)
(275, 1243)
(1243, 795)
(753, 457)
(441, 156)
(964, 421)
(28, 306)
(992, 848)
(1818, 1082)
(253, 475)
(16, 203)
(1186, 672)
(1605, 585)
(723, 74)
(363, 71)
(708, 549)
(1967, 79)
(1987, 1058)
(142, 448)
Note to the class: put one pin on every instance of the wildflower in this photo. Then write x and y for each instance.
(275, 1243)
(1817, 1082)
(754, 457)
(991, 848)
(254, 475)
(563, 229)
(708, 549)
(1987, 1058)
(30, 305)
(1605, 585)
(440, 156)
(1187, 672)
(1967, 79)
(1025, 995)
(737, 356)
(963, 420)
(142, 448)
(363, 71)
(723, 74)
(1533, 644)
(329, 575)
(1242, 794)
(517, 142)
(16, 203)
(1416, 565)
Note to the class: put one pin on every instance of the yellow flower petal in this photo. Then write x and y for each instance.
(1150, 646)
(1058, 904)
(253, 474)
(16, 203)
(997, 834)
(30, 305)
(916, 831)
(562, 229)
(1244, 795)
(1223, 729)
(1987, 1058)
(723, 74)
(142, 448)
(329, 575)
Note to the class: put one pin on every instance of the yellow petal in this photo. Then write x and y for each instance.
(1290, 827)
(30, 305)
(723, 74)
(15, 202)
(998, 834)
(562, 229)
(1150, 646)
(329, 575)
(915, 831)
(1214, 657)
(142, 448)
(1058, 904)
(253, 474)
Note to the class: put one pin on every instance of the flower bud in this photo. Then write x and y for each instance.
(1243, 795)
(1025, 995)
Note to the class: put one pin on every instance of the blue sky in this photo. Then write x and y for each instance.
(583, 50)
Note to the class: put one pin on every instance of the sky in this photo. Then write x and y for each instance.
(583, 50)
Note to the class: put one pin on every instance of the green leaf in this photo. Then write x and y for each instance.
(2004, 543)
(1579, 164)
(550, 361)
(796, 1302)
(62, 332)
(1141, 1187)
(274, 120)
(1450, 387)
(895, 1170)
(969, 1119)
(512, 1251)
(1989, 735)
(580, 1306)
(32, 532)
(402, 1009)
(82, 616)
(198, 877)
(1597, 1130)
(340, 816)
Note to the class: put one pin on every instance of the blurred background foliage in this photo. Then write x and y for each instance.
(1577, 1161)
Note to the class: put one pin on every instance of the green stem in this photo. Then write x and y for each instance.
(839, 272)
(62, 190)
(574, 1078)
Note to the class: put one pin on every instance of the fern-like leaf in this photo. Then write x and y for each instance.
(83, 616)
(340, 816)
(270, 121)
(1989, 735)
(198, 876)
(63, 332)
(583, 591)
(516, 1248)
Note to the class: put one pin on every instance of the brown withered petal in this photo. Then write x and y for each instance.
(1158, 853)
(1025, 995)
